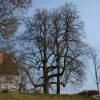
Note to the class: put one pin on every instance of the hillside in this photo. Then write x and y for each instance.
(42, 97)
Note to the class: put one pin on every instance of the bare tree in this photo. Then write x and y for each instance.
(96, 66)
(54, 47)
(68, 45)
(39, 31)
(8, 18)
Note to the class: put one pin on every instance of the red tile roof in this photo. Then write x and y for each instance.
(7, 65)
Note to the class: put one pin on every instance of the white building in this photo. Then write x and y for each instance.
(9, 77)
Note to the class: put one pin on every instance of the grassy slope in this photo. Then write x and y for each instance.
(41, 97)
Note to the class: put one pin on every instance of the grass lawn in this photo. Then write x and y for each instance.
(41, 97)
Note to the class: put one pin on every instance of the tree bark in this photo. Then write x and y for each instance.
(96, 75)
(58, 65)
(45, 66)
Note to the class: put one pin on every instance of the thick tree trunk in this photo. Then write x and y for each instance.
(45, 66)
(45, 71)
(45, 86)
(58, 68)
(58, 79)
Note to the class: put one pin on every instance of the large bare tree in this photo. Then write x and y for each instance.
(68, 45)
(54, 48)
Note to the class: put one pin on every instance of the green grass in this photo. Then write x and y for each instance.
(41, 97)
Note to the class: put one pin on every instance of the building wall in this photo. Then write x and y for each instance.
(10, 83)
(1, 58)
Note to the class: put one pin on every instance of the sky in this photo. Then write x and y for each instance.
(89, 11)
(90, 14)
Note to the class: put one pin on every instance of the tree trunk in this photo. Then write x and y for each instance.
(45, 71)
(96, 75)
(45, 66)
(20, 88)
(58, 68)
(45, 87)
(58, 79)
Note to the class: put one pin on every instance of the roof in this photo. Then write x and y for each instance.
(7, 65)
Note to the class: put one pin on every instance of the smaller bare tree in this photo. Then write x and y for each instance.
(95, 59)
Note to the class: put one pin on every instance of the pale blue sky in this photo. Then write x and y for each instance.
(89, 11)
(90, 14)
